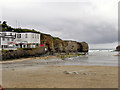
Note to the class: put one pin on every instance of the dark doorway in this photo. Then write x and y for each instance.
(20, 45)
(48, 47)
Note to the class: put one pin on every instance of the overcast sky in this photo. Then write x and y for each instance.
(92, 21)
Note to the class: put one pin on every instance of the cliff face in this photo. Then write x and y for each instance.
(57, 45)
(71, 46)
(118, 48)
(48, 41)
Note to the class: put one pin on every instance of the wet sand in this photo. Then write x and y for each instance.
(17, 75)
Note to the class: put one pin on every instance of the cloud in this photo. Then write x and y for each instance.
(103, 46)
(93, 21)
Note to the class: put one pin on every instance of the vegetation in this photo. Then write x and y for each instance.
(5, 27)
(45, 34)
(54, 38)
(25, 30)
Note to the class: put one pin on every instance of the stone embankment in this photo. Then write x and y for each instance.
(22, 53)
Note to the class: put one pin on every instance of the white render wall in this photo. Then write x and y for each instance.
(6, 40)
(31, 38)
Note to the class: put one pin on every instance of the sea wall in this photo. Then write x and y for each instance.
(22, 53)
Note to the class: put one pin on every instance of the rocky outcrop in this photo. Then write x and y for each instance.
(56, 44)
(48, 41)
(71, 46)
(118, 48)
(85, 47)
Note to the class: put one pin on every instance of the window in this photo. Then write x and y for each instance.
(3, 39)
(10, 34)
(8, 39)
(4, 34)
(38, 36)
(25, 35)
(32, 35)
(18, 35)
(15, 35)
(12, 39)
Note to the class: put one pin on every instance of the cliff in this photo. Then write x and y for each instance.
(56, 44)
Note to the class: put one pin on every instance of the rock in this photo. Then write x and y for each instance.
(66, 72)
(74, 72)
(118, 48)
(84, 73)
(84, 47)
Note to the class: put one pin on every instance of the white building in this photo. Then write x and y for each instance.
(19, 40)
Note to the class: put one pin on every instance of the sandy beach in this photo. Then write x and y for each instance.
(35, 75)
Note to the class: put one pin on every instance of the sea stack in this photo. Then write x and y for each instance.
(118, 48)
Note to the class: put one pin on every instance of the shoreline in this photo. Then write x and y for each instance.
(27, 59)
(61, 56)
(50, 60)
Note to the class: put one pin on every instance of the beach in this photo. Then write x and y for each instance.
(42, 73)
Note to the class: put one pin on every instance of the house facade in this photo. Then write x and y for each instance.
(19, 40)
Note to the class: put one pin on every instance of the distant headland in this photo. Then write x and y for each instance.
(118, 48)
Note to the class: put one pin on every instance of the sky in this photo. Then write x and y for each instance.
(92, 21)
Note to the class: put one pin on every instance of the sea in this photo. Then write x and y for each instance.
(96, 57)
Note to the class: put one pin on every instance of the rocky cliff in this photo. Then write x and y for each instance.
(55, 44)
(48, 41)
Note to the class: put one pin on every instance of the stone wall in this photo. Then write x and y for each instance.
(21, 53)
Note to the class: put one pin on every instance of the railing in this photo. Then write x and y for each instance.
(8, 48)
